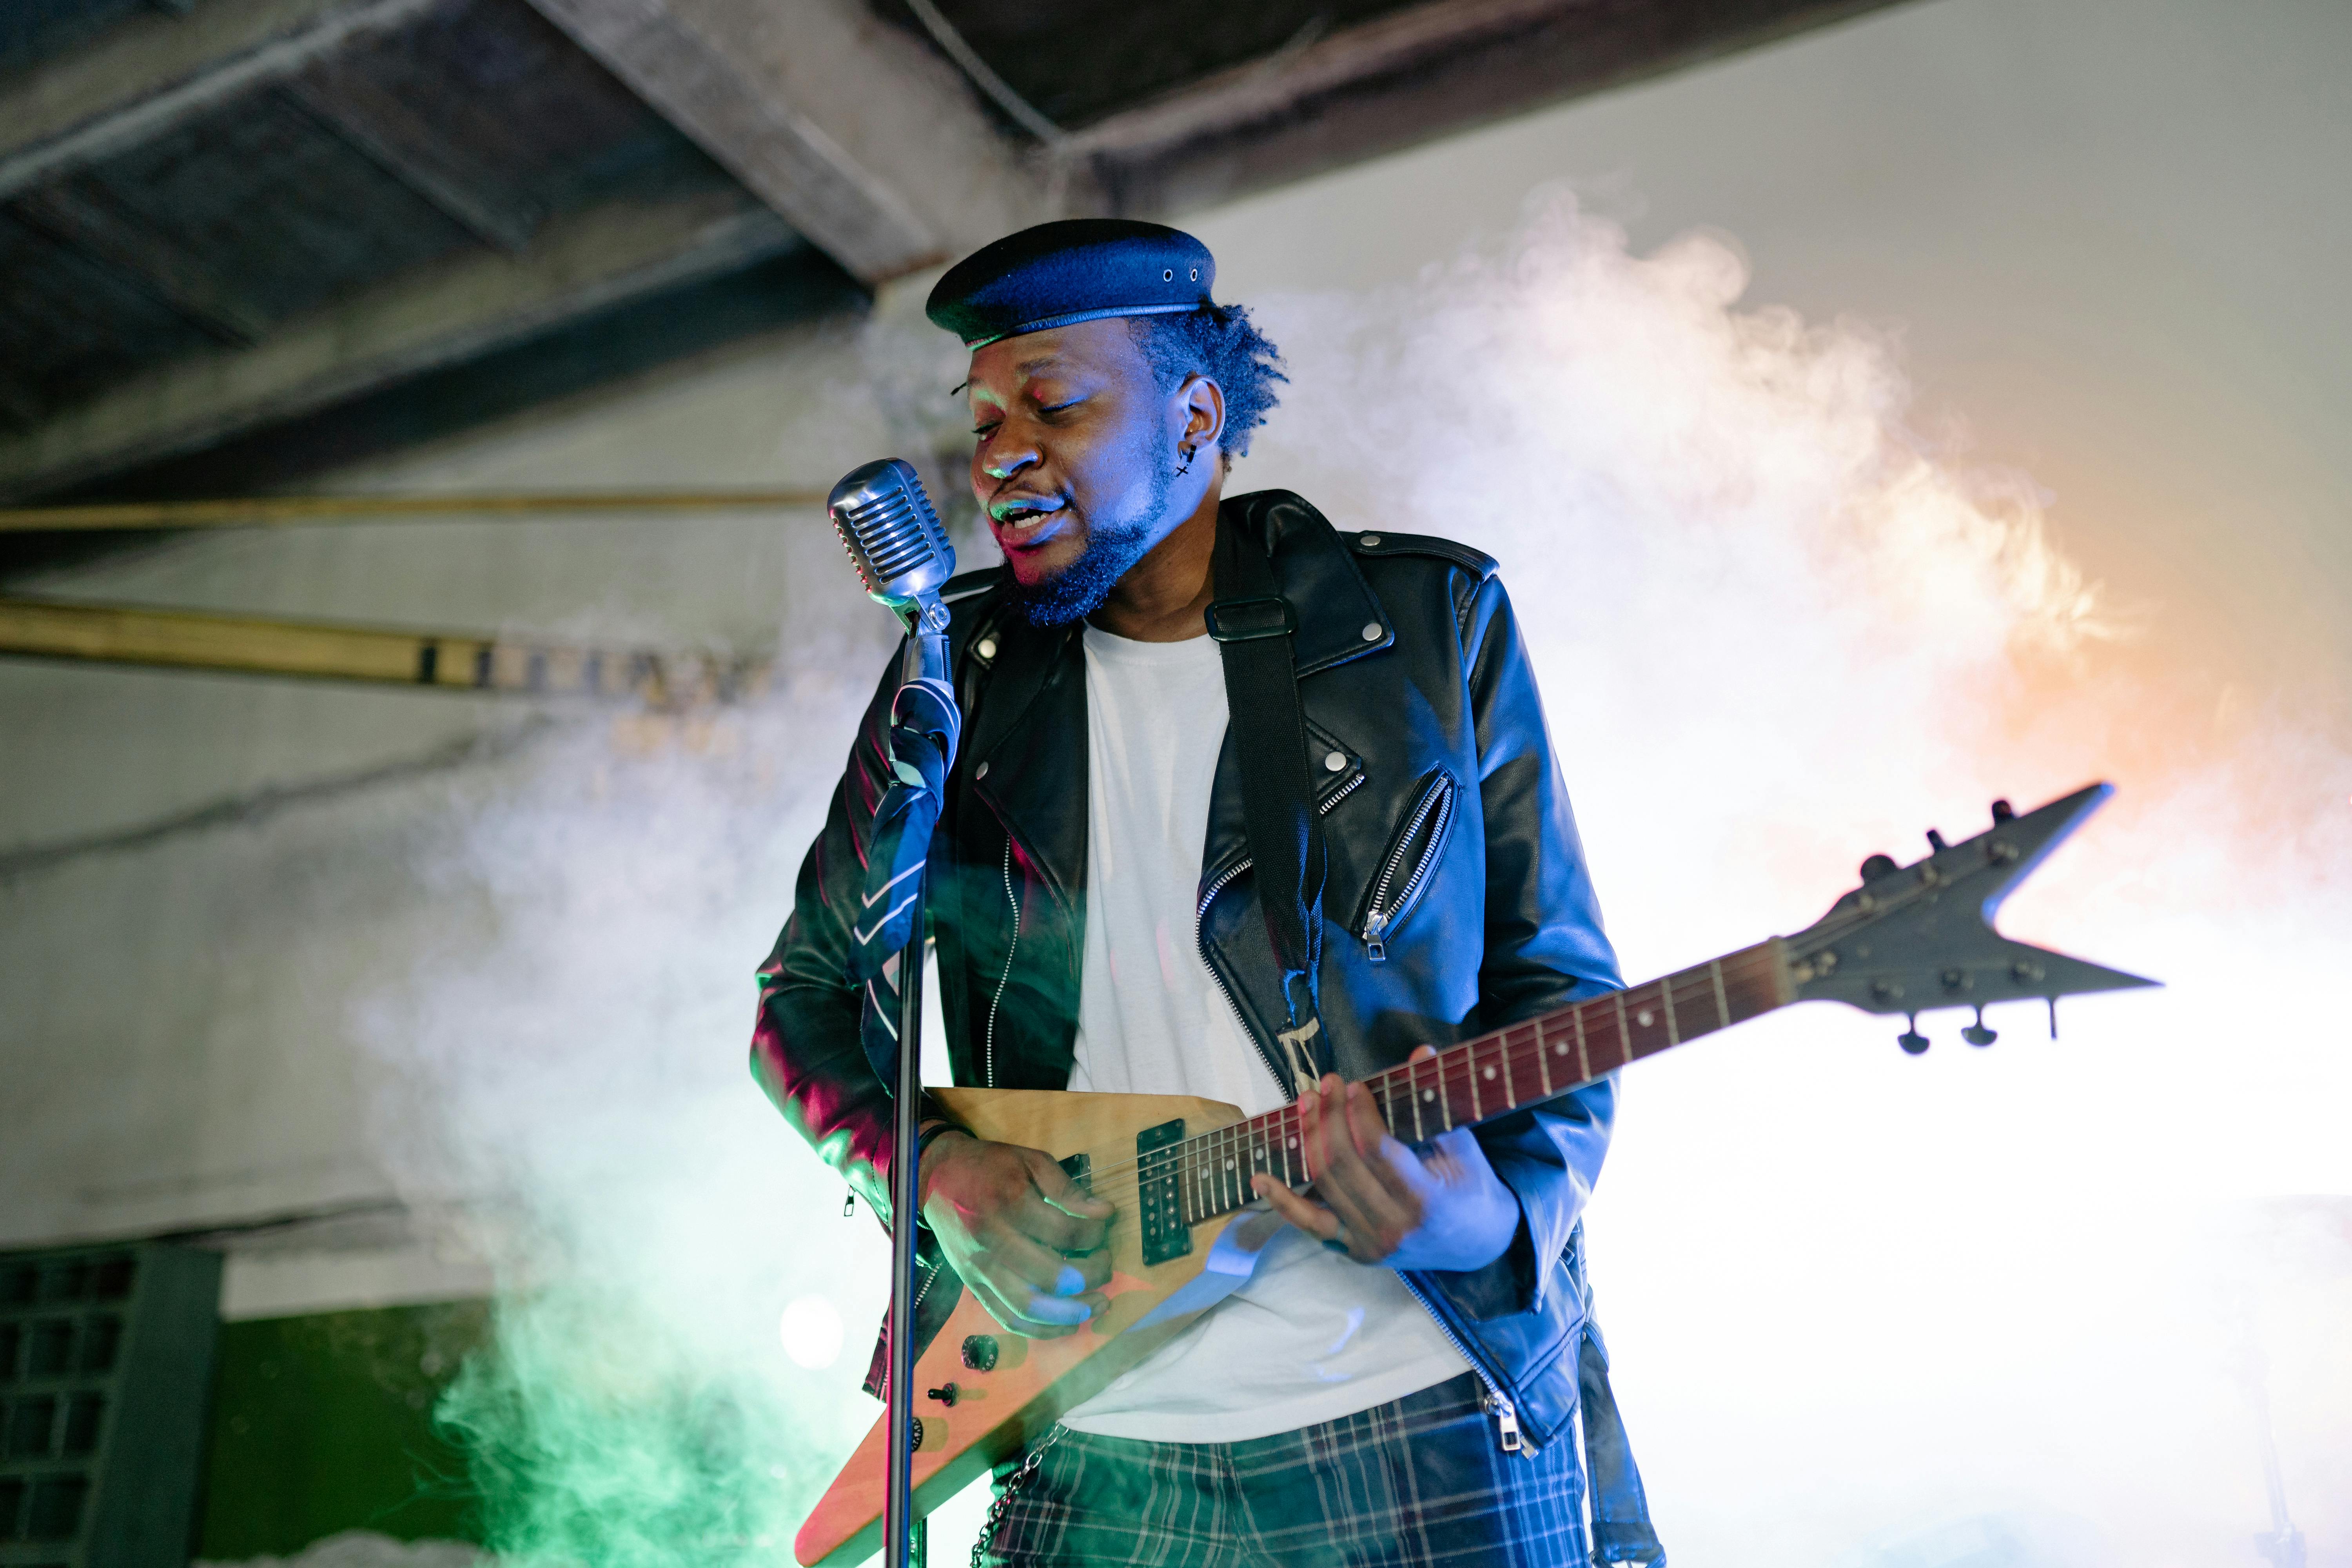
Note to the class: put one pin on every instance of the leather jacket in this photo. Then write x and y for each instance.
(1457, 898)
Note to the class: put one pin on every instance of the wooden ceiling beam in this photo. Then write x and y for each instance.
(441, 314)
(149, 261)
(870, 144)
(1398, 80)
(151, 73)
(401, 142)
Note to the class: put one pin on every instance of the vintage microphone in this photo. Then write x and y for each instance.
(903, 556)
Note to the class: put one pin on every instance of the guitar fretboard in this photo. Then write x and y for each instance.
(1496, 1073)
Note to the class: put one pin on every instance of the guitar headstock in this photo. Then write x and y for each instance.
(1916, 937)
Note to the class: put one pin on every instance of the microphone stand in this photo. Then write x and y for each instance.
(905, 1538)
(906, 1546)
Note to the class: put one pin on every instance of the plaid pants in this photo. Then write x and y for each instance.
(1420, 1481)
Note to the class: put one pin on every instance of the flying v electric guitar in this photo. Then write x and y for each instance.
(1911, 938)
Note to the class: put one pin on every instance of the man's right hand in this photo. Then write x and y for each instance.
(1021, 1235)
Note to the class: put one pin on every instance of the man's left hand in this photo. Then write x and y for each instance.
(1384, 1204)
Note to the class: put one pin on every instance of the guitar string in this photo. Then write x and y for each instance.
(1220, 1161)
(1199, 1154)
(1218, 1142)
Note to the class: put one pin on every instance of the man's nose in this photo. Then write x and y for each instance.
(1008, 458)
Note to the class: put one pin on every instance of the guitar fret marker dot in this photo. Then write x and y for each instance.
(1643, 1017)
(1490, 1074)
(1559, 1050)
(1429, 1094)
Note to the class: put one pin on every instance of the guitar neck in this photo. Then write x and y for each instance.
(1499, 1072)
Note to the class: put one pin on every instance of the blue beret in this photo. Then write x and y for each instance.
(1077, 269)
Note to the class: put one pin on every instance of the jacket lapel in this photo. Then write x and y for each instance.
(1028, 760)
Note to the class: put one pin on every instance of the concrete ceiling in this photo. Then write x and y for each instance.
(236, 232)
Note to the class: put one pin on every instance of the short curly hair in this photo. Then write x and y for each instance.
(1223, 343)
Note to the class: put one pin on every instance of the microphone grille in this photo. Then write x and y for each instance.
(890, 531)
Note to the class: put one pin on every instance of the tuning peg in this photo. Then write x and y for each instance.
(1912, 1041)
(1976, 1034)
(2003, 812)
(1935, 841)
(1878, 866)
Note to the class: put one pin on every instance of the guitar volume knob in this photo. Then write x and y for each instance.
(980, 1352)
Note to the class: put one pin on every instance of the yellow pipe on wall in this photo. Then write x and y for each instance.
(263, 511)
(183, 639)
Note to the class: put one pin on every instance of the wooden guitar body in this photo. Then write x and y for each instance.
(999, 1411)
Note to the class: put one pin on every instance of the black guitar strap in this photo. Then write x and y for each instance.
(1255, 626)
(1622, 1532)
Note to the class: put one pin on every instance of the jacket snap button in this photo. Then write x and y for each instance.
(1334, 761)
(1371, 631)
(980, 772)
(1371, 542)
(987, 648)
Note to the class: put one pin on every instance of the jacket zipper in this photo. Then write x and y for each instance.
(987, 1047)
(1200, 941)
(1507, 1415)
(1201, 937)
(1379, 911)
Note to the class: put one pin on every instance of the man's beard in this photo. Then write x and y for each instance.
(1078, 590)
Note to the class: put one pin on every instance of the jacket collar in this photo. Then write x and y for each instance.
(1031, 733)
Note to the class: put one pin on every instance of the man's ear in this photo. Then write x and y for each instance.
(1204, 403)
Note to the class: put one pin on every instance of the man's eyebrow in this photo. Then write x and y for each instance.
(1048, 361)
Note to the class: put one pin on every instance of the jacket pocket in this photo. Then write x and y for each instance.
(1404, 870)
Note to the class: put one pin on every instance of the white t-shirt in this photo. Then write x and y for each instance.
(1313, 1336)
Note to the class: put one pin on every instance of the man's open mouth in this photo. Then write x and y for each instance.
(1024, 512)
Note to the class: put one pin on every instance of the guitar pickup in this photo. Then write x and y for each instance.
(1159, 1193)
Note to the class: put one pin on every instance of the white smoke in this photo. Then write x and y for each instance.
(1986, 1307)
(1983, 1308)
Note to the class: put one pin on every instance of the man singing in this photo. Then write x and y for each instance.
(1398, 1381)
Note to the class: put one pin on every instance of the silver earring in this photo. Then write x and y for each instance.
(1186, 466)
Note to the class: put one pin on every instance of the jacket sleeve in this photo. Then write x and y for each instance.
(1544, 948)
(805, 1052)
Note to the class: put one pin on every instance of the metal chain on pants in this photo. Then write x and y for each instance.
(997, 1510)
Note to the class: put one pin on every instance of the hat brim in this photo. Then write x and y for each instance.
(1071, 317)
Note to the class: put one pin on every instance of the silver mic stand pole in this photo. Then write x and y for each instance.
(902, 555)
(905, 1538)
